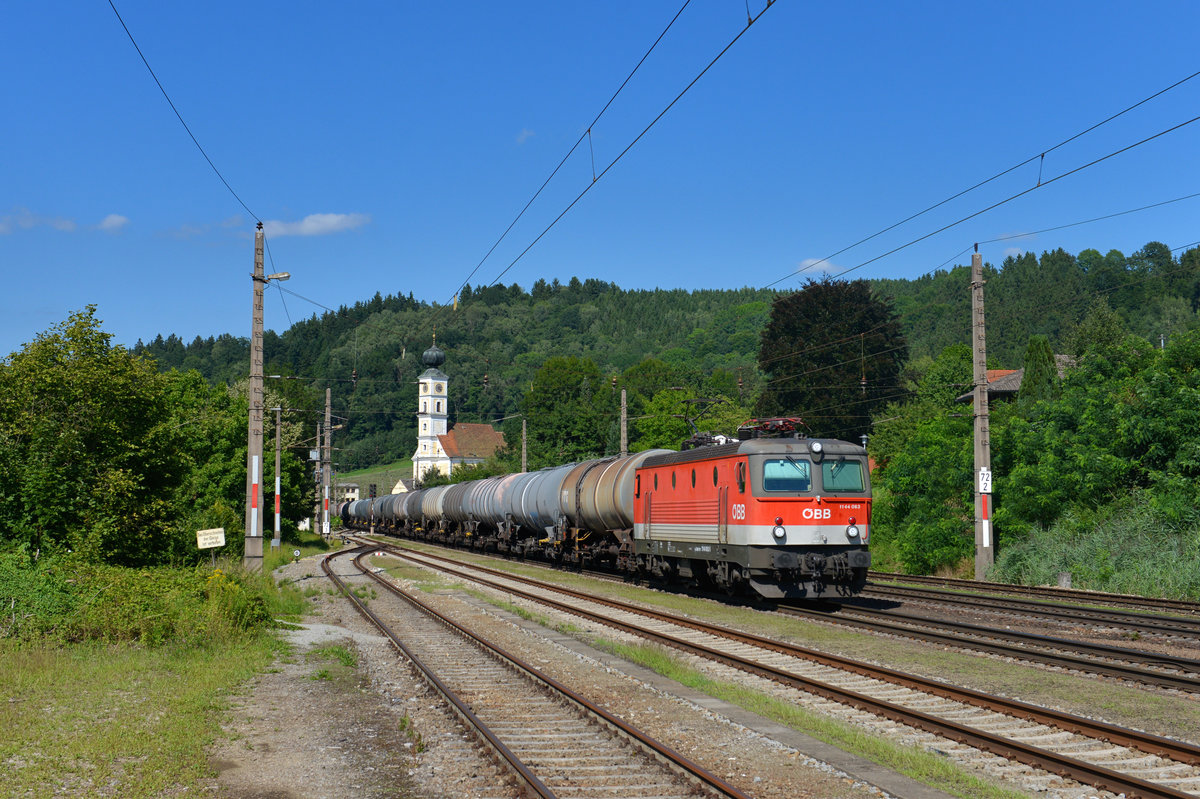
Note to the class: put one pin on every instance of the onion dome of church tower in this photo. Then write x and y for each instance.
(433, 357)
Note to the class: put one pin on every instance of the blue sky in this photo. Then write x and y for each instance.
(387, 146)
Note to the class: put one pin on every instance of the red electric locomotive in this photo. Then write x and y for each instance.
(786, 516)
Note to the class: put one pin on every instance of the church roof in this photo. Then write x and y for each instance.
(471, 441)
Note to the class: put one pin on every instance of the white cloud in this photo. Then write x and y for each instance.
(315, 225)
(813, 265)
(525, 135)
(1013, 252)
(113, 222)
(24, 219)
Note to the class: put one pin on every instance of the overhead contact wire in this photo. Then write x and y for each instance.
(997, 176)
(1011, 236)
(1017, 196)
(179, 116)
(632, 143)
(587, 134)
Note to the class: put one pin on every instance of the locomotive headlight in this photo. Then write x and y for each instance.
(816, 446)
(852, 531)
(778, 532)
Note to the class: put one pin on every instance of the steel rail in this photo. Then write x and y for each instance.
(661, 751)
(965, 640)
(1049, 592)
(1172, 625)
(1098, 776)
(507, 758)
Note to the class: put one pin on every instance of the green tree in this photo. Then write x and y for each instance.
(923, 510)
(89, 450)
(832, 353)
(1040, 381)
(570, 408)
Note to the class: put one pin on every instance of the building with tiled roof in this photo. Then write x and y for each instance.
(1005, 383)
(471, 443)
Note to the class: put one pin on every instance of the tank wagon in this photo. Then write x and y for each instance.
(783, 517)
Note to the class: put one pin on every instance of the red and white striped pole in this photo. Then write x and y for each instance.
(275, 542)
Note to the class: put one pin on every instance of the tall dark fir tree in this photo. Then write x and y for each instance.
(832, 354)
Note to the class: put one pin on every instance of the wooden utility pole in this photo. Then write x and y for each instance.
(253, 549)
(985, 553)
(326, 462)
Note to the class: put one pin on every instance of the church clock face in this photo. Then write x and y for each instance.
(438, 388)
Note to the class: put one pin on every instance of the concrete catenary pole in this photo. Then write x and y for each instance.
(253, 550)
(326, 462)
(984, 535)
(316, 464)
(524, 449)
(624, 425)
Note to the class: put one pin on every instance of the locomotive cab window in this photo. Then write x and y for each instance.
(842, 475)
(741, 477)
(786, 474)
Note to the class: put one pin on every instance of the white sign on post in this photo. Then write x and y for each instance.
(985, 480)
(210, 539)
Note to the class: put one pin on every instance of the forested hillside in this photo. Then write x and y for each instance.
(507, 333)
(1027, 295)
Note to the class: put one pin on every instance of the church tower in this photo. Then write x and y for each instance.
(432, 409)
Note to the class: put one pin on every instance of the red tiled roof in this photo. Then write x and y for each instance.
(471, 441)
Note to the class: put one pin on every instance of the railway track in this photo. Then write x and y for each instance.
(1094, 753)
(1159, 670)
(1076, 595)
(1138, 622)
(554, 742)
(1134, 665)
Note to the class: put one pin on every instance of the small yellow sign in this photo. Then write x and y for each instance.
(210, 539)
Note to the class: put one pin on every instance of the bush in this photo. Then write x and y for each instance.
(1128, 548)
(34, 596)
(64, 601)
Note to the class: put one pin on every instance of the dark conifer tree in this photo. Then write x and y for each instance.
(832, 353)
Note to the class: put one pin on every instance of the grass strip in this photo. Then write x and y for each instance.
(91, 720)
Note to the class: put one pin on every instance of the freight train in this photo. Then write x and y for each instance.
(773, 513)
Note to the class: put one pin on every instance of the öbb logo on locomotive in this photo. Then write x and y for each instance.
(774, 513)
